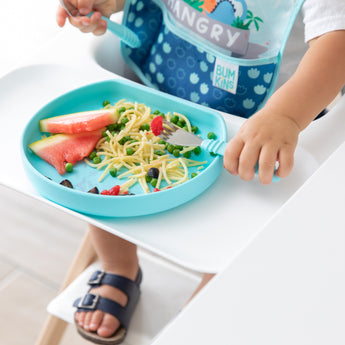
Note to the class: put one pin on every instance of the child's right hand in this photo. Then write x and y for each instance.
(95, 23)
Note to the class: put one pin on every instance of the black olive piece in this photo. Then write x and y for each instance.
(94, 190)
(153, 172)
(67, 183)
(125, 194)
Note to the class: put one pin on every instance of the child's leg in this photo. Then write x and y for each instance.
(116, 256)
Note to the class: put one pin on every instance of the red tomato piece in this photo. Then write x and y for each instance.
(157, 125)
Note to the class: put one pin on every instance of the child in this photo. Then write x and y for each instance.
(270, 135)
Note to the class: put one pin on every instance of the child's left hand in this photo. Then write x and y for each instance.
(266, 137)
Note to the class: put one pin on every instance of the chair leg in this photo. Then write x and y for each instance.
(54, 327)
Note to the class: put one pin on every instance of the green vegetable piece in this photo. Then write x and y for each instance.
(181, 123)
(159, 153)
(129, 151)
(145, 127)
(195, 129)
(69, 167)
(192, 175)
(170, 148)
(156, 112)
(105, 103)
(112, 127)
(213, 154)
(96, 160)
(176, 152)
(122, 110)
(197, 150)
(148, 179)
(211, 135)
(162, 114)
(174, 119)
(92, 155)
(179, 147)
(161, 142)
(154, 182)
(187, 154)
(124, 120)
(113, 172)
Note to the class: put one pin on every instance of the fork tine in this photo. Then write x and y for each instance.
(171, 125)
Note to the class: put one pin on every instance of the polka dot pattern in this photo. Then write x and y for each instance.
(176, 66)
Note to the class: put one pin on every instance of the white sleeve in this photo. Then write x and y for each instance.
(322, 16)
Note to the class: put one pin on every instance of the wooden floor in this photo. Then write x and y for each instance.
(37, 245)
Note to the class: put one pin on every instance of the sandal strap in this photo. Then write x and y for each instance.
(92, 302)
(126, 285)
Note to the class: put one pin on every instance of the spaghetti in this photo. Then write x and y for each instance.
(130, 144)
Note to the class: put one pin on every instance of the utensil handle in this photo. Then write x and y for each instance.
(218, 147)
(123, 32)
(215, 146)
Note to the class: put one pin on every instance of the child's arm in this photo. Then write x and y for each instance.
(95, 24)
(272, 133)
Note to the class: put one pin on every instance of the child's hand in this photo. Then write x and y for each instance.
(264, 138)
(95, 23)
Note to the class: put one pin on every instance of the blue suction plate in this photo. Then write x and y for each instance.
(46, 179)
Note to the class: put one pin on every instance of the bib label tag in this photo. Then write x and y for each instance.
(225, 76)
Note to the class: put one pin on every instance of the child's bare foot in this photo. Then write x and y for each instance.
(104, 324)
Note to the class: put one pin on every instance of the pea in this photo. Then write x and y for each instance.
(148, 179)
(174, 119)
(69, 167)
(113, 172)
(122, 126)
(161, 142)
(92, 155)
(211, 135)
(96, 160)
(159, 153)
(154, 182)
(134, 141)
(195, 129)
(145, 127)
(180, 123)
(122, 110)
(176, 153)
(156, 112)
(124, 120)
(213, 154)
(187, 154)
(170, 148)
(162, 114)
(104, 134)
(185, 128)
(197, 150)
(129, 151)
(179, 147)
(112, 127)
(105, 103)
(192, 175)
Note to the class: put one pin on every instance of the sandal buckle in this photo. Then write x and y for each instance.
(97, 280)
(84, 302)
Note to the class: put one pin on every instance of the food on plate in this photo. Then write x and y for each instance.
(130, 148)
(125, 147)
(66, 183)
(157, 125)
(85, 121)
(60, 149)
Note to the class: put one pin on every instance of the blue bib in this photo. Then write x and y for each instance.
(224, 54)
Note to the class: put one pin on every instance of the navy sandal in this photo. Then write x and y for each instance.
(92, 302)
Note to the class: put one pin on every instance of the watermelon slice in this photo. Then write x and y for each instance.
(59, 149)
(85, 121)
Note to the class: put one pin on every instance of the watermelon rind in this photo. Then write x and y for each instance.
(85, 121)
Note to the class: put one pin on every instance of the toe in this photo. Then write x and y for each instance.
(108, 326)
(96, 320)
(80, 317)
(87, 321)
